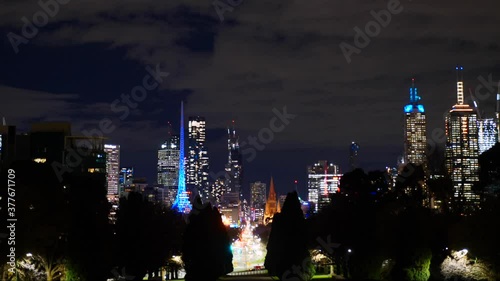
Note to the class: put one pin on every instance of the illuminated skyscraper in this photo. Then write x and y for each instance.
(488, 134)
(217, 190)
(462, 149)
(258, 193)
(126, 178)
(498, 117)
(168, 166)
(234, 166)
(197, 166)
(353, 155)
(112, 168)
(168, 162)
(182, 203)
(323, 180)
(415, 130)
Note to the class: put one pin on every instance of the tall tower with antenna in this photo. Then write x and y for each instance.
(462, 149)
(182, 203)
(415, 134)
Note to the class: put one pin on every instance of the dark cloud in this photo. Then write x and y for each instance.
(265, 55)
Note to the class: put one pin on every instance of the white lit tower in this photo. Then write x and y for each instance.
(112, 168)
(197, 162)
(498, 116)
(234, 166)
(462, 149)
(415, 130)
(168, 165)
(323, 180)
(487, 129)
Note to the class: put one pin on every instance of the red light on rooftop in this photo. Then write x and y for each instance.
(295, 181)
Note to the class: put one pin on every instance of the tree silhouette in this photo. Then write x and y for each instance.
(287, 253)
(206, 249)
(148, 235)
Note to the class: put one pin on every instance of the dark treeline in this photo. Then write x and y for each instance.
(64, 232)
(373, 231)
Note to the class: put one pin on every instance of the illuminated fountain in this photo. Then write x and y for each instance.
(248, 251)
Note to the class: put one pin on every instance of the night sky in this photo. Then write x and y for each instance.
(262, 55)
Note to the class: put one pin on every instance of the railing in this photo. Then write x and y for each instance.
(249, 272)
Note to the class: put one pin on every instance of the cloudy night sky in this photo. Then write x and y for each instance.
(261, 55)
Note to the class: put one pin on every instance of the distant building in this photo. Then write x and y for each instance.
(126, 178)
(488, 135)
(168, 167)
(92, 156)
(112, 168)
(234, 166)
(415, 130)
(323, 180)
(48, 143)
(272, 204)
(217, 190)
(198, 164)
(498, 117)
(462, 150)
(353, 156)
(258, 194)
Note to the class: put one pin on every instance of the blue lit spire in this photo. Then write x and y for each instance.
(414, 100)
(182, 203)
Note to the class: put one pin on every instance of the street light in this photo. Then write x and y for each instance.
(349, 250)
(29, 255)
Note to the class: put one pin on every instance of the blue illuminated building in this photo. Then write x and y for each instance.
(415, 129)
(182, 203)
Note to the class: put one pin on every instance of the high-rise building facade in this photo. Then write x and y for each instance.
(488, 134)
(323, 180)
(168, 162)
(258, 191)
(234, 166)
(415, 130)
(217, 190)
(112, 168)
(353, 155)
(197, 165)
(498, 117)
(126, 178)
(462, 149)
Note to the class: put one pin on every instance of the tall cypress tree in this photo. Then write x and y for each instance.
(287, 254)
(206, 249)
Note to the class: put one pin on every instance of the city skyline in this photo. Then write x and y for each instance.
(312, 79)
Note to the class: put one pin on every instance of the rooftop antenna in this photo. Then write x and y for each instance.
(460, 85)
(475, 103)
